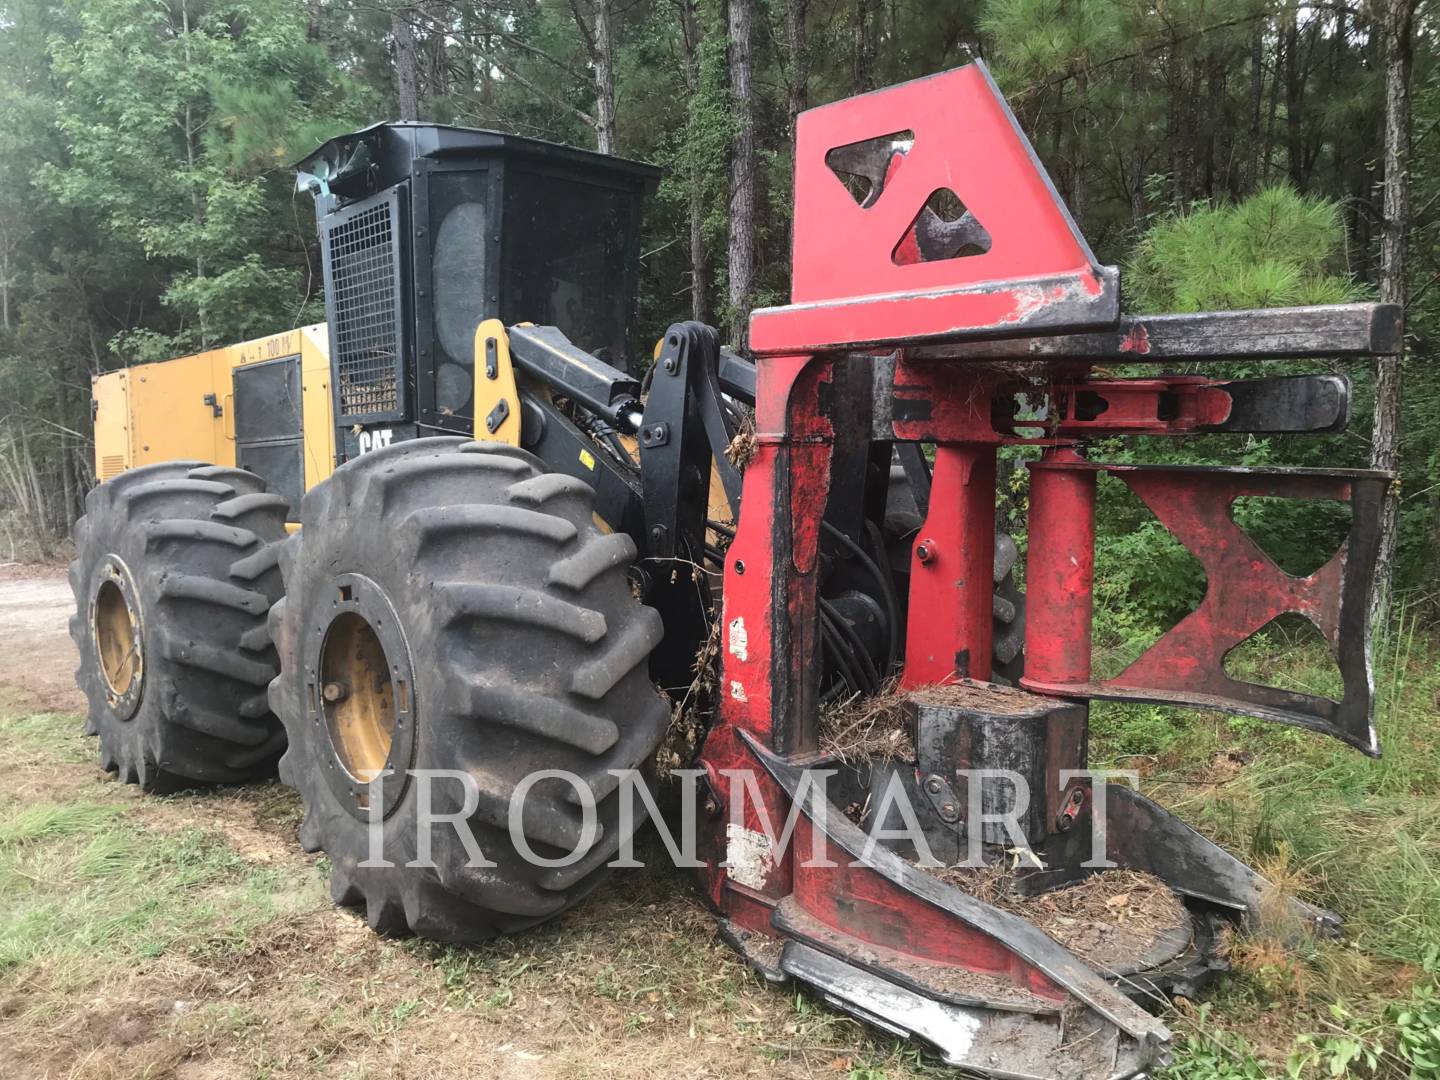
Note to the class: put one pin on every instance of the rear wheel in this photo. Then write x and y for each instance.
(455, 621)
(174, 575)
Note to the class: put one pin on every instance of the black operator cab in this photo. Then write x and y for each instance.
(426, 230)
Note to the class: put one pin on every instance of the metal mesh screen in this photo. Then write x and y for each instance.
(365, 301)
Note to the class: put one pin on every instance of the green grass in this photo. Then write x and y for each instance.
(1358, 836)
(96, 882)
(57, 735)
(86, 883)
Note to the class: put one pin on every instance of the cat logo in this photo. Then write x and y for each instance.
(374, 440)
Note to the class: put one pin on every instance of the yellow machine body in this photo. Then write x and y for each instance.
(186, 407)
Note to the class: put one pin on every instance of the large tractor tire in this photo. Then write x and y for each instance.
(174, 575)
(450, 605)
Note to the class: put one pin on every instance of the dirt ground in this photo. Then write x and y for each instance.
(190, 937)
(37, 657)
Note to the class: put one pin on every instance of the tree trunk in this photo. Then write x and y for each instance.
(5, 279)
(799, 83)
(1217, 127)
(864, 57)
(604, 79)
(67, 487)
(1257, 91)
(1294, 108)
(1136, 179)
(1182, 132)
(742, 171)
(437, 43)
(407, 88)
(1396, 22)
(699, 260)
(1270, 115)
(197, 205)
(594, 20)
(1078, 192)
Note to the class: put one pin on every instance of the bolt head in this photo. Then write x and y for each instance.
(335, 691)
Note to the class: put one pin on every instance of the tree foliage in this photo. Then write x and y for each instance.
(1226, 152)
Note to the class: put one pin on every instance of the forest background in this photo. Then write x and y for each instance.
(1225, 153)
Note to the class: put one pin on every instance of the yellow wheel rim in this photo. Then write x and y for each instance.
(357, 696)
(116, 639)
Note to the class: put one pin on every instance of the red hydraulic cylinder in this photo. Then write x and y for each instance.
(952, 571)
(1060, 569)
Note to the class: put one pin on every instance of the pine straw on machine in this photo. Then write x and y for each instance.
(690, 715)
(862, 727)
(742, 447)
(1111, 919)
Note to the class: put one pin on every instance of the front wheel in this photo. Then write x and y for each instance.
(455, 621)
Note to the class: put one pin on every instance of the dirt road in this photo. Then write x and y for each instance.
(37, 656)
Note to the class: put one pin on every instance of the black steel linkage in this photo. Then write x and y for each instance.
(1332, 330)
(544, 353)
(551, 436)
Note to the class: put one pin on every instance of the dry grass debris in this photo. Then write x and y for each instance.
(742, 448)
(871, 726)
(690, 716)
(1111, 918)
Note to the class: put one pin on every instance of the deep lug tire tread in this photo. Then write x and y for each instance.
(528, 651)
(201, 544)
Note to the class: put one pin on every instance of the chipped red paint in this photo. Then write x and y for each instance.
(1245, 588)
(851, 904)
(1083, 300)
(1244, 591)
(943, 403)
(775, 542)
(951, 581)
(844, 250)
(1137, 341)
(874, 910)
(859, 275)
(1060, 567)
(863, 285)
(1172, 405)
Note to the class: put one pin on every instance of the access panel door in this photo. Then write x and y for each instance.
(269, 432)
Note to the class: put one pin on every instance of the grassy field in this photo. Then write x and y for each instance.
(189, 936)
(1358, 836)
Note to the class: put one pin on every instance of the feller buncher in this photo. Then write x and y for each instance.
(455, 528)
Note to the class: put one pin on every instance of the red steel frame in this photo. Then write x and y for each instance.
(850, 287)
(859, 287)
